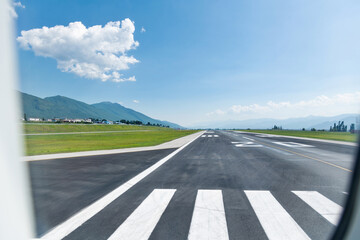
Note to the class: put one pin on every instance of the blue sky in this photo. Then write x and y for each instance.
(202, 61)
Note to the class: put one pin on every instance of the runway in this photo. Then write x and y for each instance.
(222, 185)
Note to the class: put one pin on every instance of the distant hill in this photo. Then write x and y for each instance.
(63, 107)
(317, 122)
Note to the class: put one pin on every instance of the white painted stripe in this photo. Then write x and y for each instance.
(248, 144)
(346, 193)
(208, 221)
(203, 135)
(277, 223)
(324, 206)
(209, 135)
(65, 228)
(249, 138)
(140, 224)
(216, 135)
(235, 142)
(292, 144)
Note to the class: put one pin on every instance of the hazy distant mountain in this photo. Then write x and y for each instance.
(63, 107)
(309, 122)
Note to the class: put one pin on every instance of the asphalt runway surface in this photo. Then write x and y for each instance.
(223, 185)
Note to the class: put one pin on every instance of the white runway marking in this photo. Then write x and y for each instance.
(65, 228)
(203, 135)
(235, 142)
(208, 221)
(216, 135)
(346, 193)
(209, 135)
(269, 136)
(325, 207)
(249, 138)
(292, 144)
(248, 144)
(140, 224)
(277, 223)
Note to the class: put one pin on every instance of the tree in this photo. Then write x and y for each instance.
(313, 129)
(352, 128)
(303, 129)
(340, 127)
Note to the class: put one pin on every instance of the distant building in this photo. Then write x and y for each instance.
(77, 120)
(35, 119)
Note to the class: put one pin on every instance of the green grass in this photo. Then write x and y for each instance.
(47, 144)
(339, 136)
(60, 128)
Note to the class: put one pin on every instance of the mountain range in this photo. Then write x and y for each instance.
(317, 122)
(64, 107)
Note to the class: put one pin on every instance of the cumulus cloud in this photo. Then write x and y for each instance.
(216, 112)
(136, 101)
(97, 52)
(142, 30)
(12, 8)
(320, 105)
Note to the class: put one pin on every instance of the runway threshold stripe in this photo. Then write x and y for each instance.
(249, 138)
(274, 219)
(75, 221)
(140, 224)
(208, 221)
(325, 207)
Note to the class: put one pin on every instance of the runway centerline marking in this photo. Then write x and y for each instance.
(140, 224)
(275, 220)
(208, 221)
(324, 206)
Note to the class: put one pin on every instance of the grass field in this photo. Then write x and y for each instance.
(30, 128)
(339, 136)
(47, 144)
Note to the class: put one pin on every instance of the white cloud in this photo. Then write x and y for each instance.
(216, 112)
(320, 105)
(97, 52)
(143, 30)
(12, 9)
(136, 101)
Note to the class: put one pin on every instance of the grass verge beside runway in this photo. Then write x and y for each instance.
(48, 144)
(31, 128)
(338, 136)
